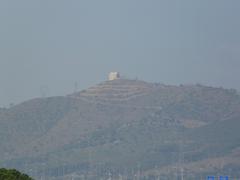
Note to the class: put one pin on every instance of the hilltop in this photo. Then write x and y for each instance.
(124, 127)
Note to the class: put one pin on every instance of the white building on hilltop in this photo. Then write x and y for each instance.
(113, 76)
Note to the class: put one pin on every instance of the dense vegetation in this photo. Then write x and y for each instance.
(12, 174)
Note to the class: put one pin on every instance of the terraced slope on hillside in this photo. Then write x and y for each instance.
(121, 127)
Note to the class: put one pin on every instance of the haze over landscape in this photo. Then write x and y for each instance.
(47, 46)
(120, 90)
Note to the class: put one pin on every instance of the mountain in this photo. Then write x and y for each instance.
(125, 129)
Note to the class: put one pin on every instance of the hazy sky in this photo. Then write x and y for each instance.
(48, 45)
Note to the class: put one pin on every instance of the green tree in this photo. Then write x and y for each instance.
(12, 174)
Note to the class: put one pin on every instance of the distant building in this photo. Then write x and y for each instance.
(113, 76)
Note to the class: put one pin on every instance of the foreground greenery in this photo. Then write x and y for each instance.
(12, 174)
